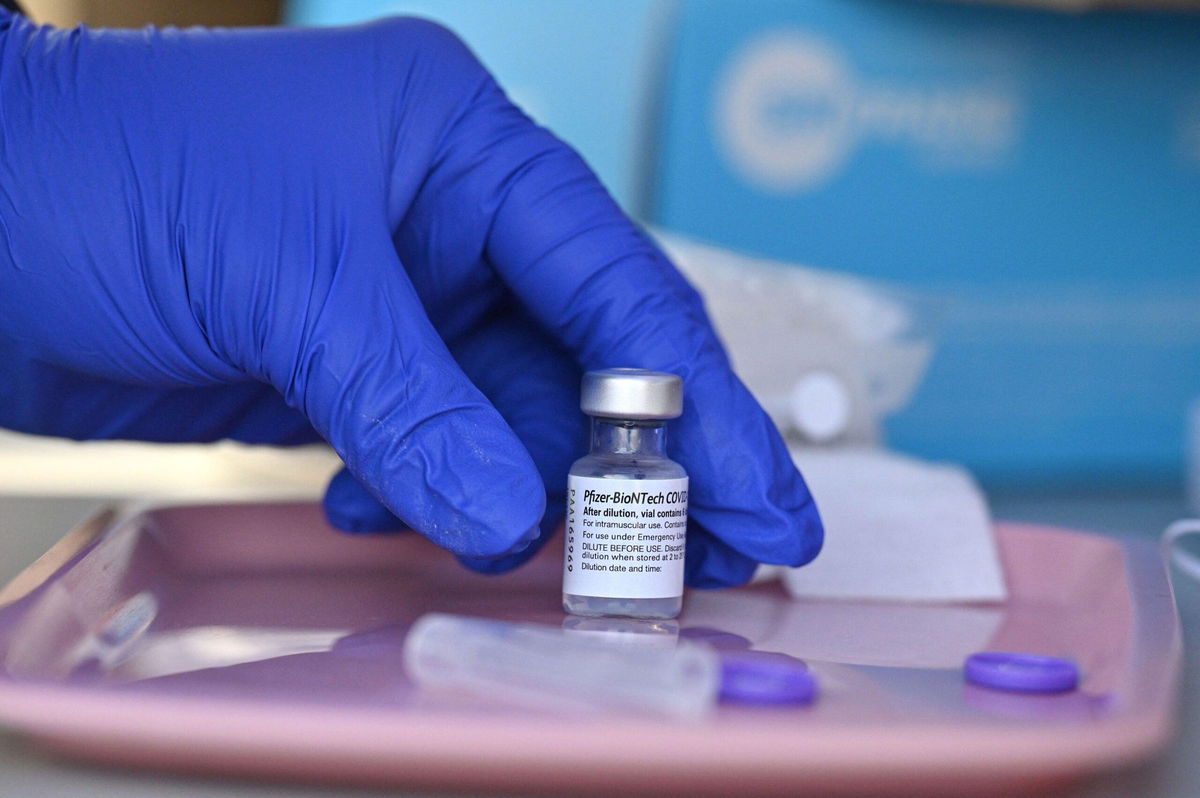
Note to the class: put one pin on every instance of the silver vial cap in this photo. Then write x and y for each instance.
(632, 394)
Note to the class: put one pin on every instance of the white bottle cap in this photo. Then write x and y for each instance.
(821, 406)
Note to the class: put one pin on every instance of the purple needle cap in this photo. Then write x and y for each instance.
(765, 678)
(1024, 673)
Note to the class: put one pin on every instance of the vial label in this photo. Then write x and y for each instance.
(625, 537)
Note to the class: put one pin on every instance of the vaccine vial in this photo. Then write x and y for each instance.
(626, 501)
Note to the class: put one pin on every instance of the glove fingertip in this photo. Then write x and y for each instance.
(797, 535)
(350, 508)
(494, 566)
(810, 538)
(712, 564)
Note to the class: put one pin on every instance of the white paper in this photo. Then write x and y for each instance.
(897, 529)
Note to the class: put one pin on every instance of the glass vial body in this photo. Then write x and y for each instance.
(626, 512)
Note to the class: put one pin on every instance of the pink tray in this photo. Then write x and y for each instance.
(254, 640)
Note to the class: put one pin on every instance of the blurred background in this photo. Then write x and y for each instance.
(1026, 175)
(967, 231)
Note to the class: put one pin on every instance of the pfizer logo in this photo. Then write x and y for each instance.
(785, 112)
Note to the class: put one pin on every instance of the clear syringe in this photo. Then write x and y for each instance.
(544, 668)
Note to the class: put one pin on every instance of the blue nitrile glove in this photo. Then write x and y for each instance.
(194, 224)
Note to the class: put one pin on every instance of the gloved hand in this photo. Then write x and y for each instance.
(351, 234)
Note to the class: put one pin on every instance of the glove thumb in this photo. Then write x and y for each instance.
(376, 380)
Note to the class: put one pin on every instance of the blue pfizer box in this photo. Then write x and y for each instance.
(1040, 170)
(582, 68)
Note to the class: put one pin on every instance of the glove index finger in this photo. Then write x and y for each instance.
(613, 298)
(592, 279)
